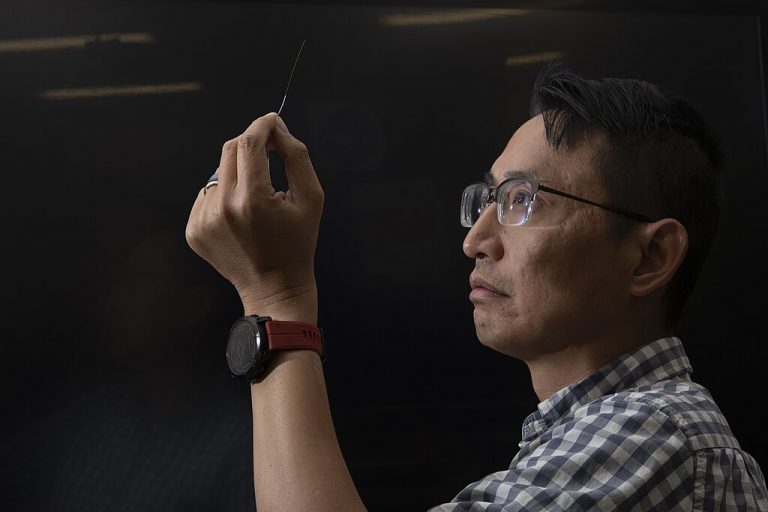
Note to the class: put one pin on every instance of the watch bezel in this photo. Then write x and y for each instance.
(262, 355)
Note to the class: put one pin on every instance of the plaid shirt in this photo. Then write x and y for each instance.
(637, 434)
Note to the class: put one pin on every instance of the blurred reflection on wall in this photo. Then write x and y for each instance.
(166, 429)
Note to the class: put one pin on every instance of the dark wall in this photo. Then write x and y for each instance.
(115, 386)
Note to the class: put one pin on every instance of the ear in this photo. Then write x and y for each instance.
(664, 244)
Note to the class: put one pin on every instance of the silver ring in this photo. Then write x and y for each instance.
(212, 181)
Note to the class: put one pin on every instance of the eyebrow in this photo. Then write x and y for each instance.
(519, 174)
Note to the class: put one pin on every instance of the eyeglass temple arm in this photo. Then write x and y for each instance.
(620, 211)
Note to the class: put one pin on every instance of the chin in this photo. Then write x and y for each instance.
(502, 342)
(501, 333)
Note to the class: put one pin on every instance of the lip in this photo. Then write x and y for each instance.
(482, 289)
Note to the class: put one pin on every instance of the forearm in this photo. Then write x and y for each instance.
(297, 461)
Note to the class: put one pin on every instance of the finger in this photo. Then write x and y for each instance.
(299, 172)
(213, 181)
(228, 166)
(252, 161)
(192, 230)
(198, 204)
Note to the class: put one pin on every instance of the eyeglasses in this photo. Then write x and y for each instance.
(514, 202)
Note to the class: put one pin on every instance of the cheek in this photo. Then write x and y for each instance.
(581, 277)
(539, 265)
(557, 277)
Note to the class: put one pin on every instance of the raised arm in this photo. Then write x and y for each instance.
(263, 241)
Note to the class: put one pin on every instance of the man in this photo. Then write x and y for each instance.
(587, 240)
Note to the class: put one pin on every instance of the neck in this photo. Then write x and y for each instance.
(554, 371)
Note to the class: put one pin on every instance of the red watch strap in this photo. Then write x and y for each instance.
(284, 335)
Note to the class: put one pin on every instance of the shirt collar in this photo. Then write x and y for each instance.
(659, 360)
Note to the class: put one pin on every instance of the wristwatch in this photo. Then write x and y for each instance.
(254, 340)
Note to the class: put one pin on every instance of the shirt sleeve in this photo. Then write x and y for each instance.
(609, 456)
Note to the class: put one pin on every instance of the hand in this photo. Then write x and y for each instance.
(261, 240)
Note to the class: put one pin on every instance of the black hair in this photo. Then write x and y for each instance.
(659, 156)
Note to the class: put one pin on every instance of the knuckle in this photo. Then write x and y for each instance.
(210, 230)
(249, 141)
(229, 213)
(315, 199)
(238, 208)
(189, 235)
(193, 237)
(230, 144)
(301, 148)
(236, 211)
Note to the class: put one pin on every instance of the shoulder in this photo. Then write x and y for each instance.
(658, 447)
(663, 426)
(682, 406)
(634, 427)
(612, 452)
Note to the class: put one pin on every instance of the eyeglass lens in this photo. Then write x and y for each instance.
(513, 200)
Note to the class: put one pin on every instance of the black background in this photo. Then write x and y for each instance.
(115, 390)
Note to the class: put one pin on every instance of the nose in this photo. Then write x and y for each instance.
(483, 241)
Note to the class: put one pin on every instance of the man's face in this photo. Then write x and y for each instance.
(561, 277)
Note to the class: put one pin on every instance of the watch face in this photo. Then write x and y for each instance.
(243, 347)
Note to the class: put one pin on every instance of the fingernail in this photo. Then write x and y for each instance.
(281, 125)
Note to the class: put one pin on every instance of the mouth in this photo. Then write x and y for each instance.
(483, 290)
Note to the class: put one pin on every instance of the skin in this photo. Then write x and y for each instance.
(297, 461)
(571, 296)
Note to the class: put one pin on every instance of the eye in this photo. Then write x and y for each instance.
(520, 197)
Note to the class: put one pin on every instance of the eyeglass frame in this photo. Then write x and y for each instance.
(535, 188)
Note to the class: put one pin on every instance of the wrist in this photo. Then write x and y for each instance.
(297, 304)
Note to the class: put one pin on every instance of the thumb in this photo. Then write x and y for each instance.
(299, 172)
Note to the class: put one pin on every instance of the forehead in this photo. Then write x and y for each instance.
(529, 155)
